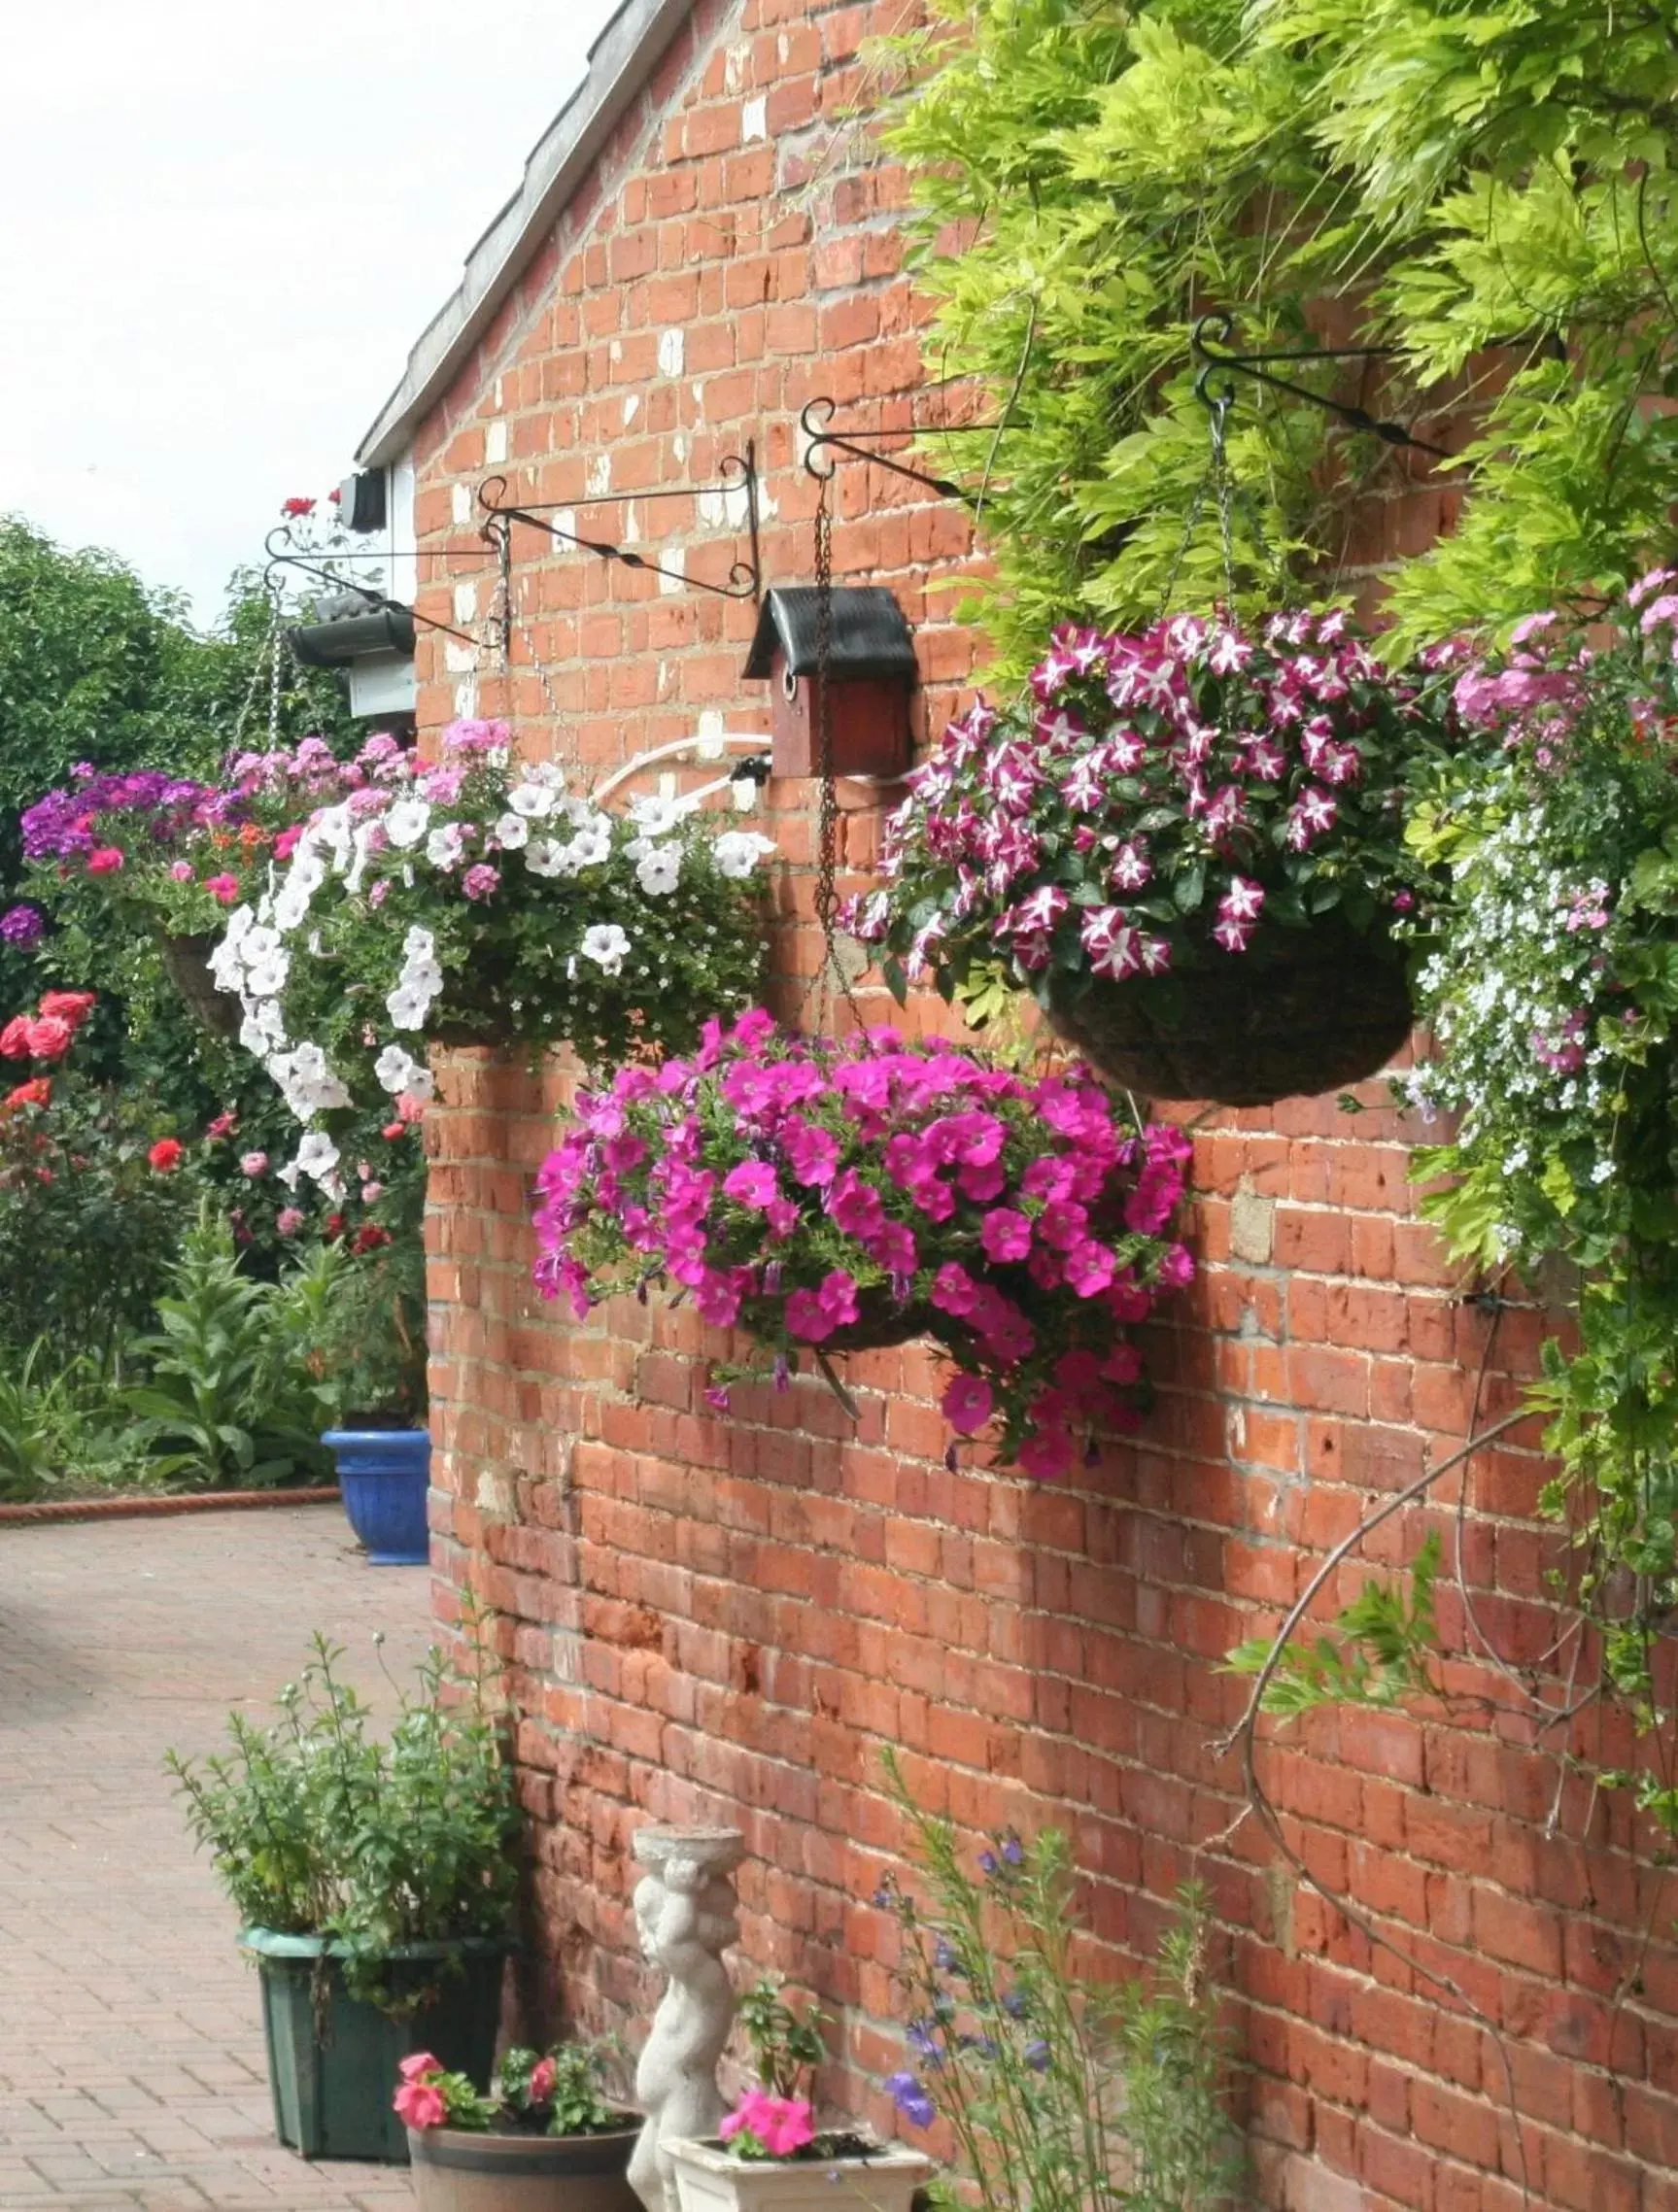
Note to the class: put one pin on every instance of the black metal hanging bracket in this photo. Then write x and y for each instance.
(1215, 386)
(819, 439)
(377, 601)
(736, 472)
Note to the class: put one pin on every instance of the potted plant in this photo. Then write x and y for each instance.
(375, 1881)
(544, 2139)
(365, 1338)
(1187, 844)
(769, 2155)
(834, 1195)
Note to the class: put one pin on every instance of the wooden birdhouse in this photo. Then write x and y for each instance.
(871, 674)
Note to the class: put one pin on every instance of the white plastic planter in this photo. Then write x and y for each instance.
(712, 2179)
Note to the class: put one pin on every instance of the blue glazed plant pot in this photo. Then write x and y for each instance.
(384, 1474)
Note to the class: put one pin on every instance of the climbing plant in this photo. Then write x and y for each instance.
(1486, 189)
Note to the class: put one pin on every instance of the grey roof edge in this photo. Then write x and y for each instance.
(620, 61)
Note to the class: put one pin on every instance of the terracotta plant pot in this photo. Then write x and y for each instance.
(458, 2170)
(712, 2179)
(1330, 1014)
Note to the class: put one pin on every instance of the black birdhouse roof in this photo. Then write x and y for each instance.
(869, 635)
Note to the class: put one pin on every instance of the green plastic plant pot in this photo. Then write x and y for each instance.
(456, 2170)
(333, 2059)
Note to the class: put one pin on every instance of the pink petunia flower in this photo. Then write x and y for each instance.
(966, 1403)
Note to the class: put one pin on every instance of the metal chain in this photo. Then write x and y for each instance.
(827, 832)
(264, 652)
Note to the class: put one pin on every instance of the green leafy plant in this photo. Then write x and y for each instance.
(317, 1826)
(1382, 1653)
(1064, 2093)
(1489, 194)
(786, 2046)
(223, 1396)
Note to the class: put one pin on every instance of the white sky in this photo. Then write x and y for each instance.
(222, 223)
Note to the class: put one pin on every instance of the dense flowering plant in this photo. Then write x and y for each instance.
(774, 2117)
(479, 900)
(1160, 803)
(814, 1192)
(1550, 980)
(94, 1195)
(551, 2093)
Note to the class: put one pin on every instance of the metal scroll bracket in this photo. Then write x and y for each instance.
(736, 473)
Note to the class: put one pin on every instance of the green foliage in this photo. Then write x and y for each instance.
(786, 2045)
(1488, 190)
(1064, 2093)
(228, 1393)
(1386, 1645)
(358, 1322)
(317, 1826)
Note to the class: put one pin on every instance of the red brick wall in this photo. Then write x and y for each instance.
(727, 1618)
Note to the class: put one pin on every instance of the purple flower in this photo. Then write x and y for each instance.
(910, 2096)
(23, 925)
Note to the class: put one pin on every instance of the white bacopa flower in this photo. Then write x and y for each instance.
(446, 848)
(511, 833)
(658, 870)
(532, 801)
(396, 1069)
(737, 852)
(542, 857)
(317, 1155)
(606, 944)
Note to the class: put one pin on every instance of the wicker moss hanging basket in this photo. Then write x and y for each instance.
(186, 959)
(1332, 1009)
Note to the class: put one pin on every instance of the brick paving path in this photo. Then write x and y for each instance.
(132, 2069)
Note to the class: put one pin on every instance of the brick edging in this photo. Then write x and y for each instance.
(139, 1508)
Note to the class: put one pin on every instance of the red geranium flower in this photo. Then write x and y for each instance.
(297, 506)
(165, 1155)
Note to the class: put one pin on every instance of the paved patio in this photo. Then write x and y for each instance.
(131, 2067)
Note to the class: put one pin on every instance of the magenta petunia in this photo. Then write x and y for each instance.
(967, 1403)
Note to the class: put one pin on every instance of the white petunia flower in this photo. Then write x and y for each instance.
(267, 979)
(407, 822)
(658, 870)
(511, 833)
(606, 944)
(446, 848)
(532, 801)
(654, 816)
(317, 1155)
(542, 857)
(419, 944)
(396, 1069)
(589, 846)
(737, 852)
(408, 1007)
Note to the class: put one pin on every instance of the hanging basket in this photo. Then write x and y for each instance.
(187, 962)
(1331, 1010)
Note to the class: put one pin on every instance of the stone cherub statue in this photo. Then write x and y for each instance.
(685, 1912)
